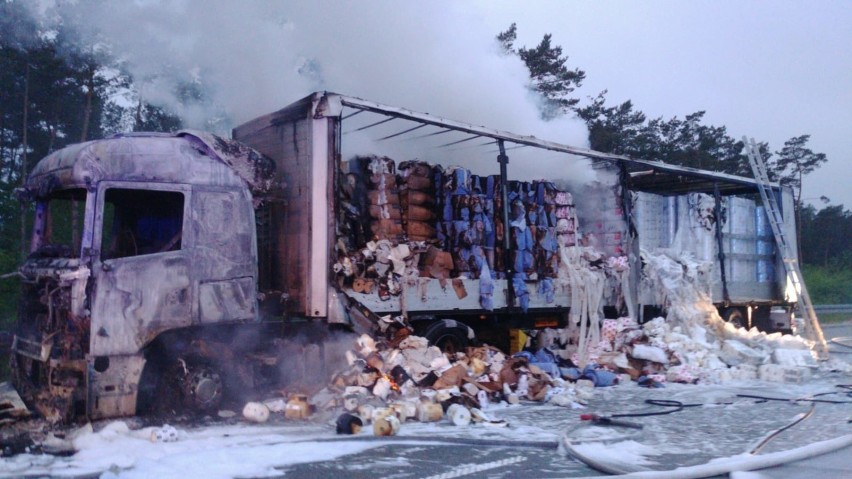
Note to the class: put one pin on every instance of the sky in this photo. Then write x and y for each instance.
(767, 70)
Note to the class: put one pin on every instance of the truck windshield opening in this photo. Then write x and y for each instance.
(58, 224)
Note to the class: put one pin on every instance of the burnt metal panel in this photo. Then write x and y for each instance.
(227, 300)
(113, 385)
(255, 169)
(223, 244)
(138, 297)
(431, 295)
(158, 158)
(321, 217)
(286, 137)
(224, 252)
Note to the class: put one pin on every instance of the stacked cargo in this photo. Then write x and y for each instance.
(485, 222)
(384, 209)
(605, 227)
(765, 246)
(417, 199)
(454, 218)
(566, 218)
(465, 222)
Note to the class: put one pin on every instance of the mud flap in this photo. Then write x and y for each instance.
(112, 385)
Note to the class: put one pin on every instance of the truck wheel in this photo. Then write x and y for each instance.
(449, 335)
(201, 387)
(179, 386)
(735, 316)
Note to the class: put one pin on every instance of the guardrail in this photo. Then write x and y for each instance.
(833, 308)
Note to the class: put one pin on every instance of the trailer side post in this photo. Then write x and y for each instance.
(717, 212)
(504, 161)
(631, 297)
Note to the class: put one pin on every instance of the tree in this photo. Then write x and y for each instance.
(825, 236)
(52, 93)
(624, 130)
(613, 129)
(507, 38)
(793, 162)
(549, 74)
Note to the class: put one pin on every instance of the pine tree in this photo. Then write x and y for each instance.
(507, 39)
(794, 161)
(549, 74)
(613, 129)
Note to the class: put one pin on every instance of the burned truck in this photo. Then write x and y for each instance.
(168, 265)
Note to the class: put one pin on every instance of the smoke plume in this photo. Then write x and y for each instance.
(253, 57)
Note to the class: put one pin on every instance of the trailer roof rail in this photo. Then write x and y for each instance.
(651, 176)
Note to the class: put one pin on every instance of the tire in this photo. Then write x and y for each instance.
(449, 335)
(736, 317)
(179, 386)
(202, 387)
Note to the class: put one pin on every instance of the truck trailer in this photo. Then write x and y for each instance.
(167, 267)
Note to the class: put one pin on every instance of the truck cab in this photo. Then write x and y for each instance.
(132, 237)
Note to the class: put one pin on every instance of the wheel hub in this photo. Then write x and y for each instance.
(203, 387)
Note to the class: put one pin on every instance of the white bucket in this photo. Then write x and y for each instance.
(459, 415)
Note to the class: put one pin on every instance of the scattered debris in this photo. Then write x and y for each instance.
(349, 424)
(256, 412)
(386, 425)
(164, 434)
(297, 407)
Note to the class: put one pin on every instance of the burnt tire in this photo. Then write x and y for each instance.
(179, 386)
(449, 335)
(201, 387)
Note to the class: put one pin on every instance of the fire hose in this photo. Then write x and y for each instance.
(744, 462)
(845, 341)
(749, 461)
(846, 387)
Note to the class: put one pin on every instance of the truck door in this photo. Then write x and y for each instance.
(142, 285)
(142, 275)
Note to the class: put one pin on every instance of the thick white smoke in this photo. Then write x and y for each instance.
(254, 57)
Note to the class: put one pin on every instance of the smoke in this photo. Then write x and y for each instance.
(253, 57)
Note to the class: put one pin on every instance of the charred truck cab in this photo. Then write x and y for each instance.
(133, 236)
